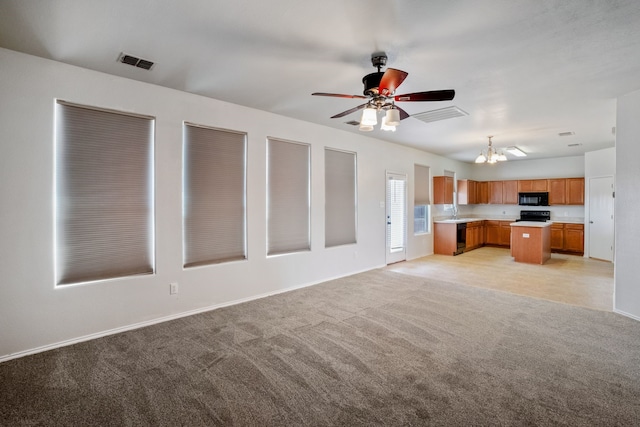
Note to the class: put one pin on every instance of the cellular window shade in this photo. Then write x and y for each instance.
(340, 197)
(421, 185)
(214, 195)
(104, 194)
(288, 193)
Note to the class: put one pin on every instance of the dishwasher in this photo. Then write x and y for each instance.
(461, 238)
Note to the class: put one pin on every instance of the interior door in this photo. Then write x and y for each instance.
(601, 224)
(396, 212)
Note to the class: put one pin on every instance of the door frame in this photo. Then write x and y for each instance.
(397, 256)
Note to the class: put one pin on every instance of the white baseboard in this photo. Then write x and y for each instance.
(168, 318)
(624, 313)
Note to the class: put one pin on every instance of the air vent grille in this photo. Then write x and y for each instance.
(440, 114)
(566, 133)
(353, 123)
(135, 61)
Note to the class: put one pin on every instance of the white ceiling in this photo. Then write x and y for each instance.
(523, 70)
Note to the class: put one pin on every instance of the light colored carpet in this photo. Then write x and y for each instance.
(377, 348)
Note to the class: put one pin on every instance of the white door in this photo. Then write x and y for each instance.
(396, 211)
(601, 230)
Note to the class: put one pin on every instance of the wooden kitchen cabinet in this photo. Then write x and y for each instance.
(495, 192)
(557, 191)
(510, 192)
(532, 185)
(475, 235)
(575, 191)
(467, 192)
(557, 236)
(567, 237)
(505, 233)
(443, 190)
(566, 191)
(445, 239)
(492, 232)
(574, 238)
(482, 192)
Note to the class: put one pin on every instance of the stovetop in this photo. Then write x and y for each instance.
(540, 216)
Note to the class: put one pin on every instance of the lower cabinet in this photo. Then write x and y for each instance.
(497, 233)
(567, 237)
(475, 235)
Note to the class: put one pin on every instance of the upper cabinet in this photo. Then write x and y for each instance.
(467, 190)
(532, 185)
(495, 192)
(482, 193)
(566, 191)
(575, 191)
(510, 192)
(443, 190)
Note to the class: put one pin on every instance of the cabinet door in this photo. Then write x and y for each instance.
(470, 238)
(442, 190)
(557, 236)
(448, 190)
(532, 185)
(492, 232)
(575, 191)
(557, 191)
(495, 192)
(505, 233)
(463, 192)
(482, 193)
(510, 192)
(574, 238)
(445, 239)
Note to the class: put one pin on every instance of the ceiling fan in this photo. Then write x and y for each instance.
(379, 90)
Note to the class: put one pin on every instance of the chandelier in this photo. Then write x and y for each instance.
(491, 155)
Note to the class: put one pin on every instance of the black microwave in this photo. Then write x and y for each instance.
(533, 199)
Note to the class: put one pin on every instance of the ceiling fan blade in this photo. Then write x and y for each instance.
(403, 114)
(390, 81)
(433, 95)
(353, 110)
(339, 95)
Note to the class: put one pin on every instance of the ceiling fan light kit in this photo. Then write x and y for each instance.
(380, 88)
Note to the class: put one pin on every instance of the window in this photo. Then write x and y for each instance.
(421, 202)
(104, 194)
(340, 197)
(288, 197)
(214, 194)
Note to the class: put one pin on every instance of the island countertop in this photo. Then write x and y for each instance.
(531, 224)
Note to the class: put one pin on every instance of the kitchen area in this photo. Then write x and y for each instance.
(532, 217)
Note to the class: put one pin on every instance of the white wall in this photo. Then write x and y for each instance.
(627, 205)
(36, 315)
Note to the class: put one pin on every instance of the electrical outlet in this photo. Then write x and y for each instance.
(173, 288)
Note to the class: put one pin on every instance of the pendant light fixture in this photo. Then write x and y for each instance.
(491, 156)
(389, 121)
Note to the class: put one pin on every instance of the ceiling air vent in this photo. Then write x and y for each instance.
(440, 114)
(135, 61)
(566, 133)
(353, 123)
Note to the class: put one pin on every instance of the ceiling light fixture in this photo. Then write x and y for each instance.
(516, 151)
(491, 156)
(389, 121)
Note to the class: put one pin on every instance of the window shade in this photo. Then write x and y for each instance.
(421, 185)
(288, 192)
(104, 194)
(340, 197)
(214, 223)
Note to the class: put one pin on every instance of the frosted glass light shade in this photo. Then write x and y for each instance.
(369, 117)
(481, 158)
(392, 117)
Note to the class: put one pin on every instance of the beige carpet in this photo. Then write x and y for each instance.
(378, 348)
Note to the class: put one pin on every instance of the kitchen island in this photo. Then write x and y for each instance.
(531, 241)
